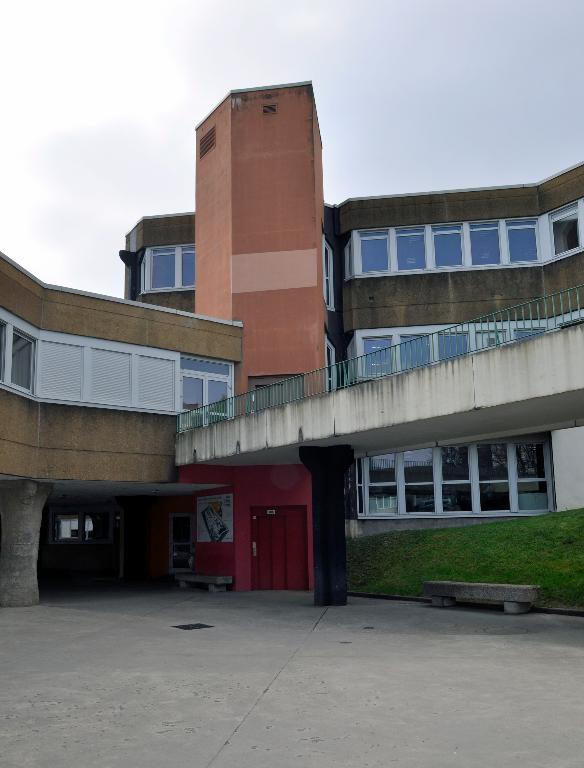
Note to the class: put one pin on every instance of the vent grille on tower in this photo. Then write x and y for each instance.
(207, 142)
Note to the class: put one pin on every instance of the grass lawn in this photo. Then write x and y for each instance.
(546, 550)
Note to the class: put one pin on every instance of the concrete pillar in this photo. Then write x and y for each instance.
(567, 452)
(21, 508)
(327, 467)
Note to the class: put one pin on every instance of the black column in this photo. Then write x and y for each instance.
(327, 467)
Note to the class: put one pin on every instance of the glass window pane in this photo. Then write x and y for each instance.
(484, 246)
(456, 497)
(455, 463)
(374, 254)
(492, 461)
(530, 460)
(566, 232)
(97, 526)
(524, 333)
(522, 244)
(2, 347)
(22, 351)
(188, 266)
(420, 498)
(414, 351)
(486, 339)
(380, 353)
(411, 249)
(192, 393)
(447, 248)
(382, 498)
(218, 390)
(418, 466)
(494, 496)
(66, 526)
(532, 495)
(163, 268)
(452, 345)
(382, 468)
(204, 366)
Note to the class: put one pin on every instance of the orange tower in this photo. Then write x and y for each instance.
(259, 203)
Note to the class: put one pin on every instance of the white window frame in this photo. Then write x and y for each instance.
(563, 213)
(487, 226)
(147, 266)
(330, 361)
(363, 481)
(206, 377)
(372, 234)
(8, 347)
(328, 284)
(439, 230)
(513, 224)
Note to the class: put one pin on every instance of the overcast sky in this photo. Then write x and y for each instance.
(99, 101)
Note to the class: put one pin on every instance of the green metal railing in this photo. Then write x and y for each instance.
(505, 326)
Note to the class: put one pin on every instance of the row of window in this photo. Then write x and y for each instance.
(468, 244)
(16, 358)
(168, 268)
(483, 478)
(396, 351)
(74, 369)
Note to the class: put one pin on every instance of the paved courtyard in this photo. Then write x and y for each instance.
(102, 678)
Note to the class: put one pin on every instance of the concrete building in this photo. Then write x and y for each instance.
(415, 414)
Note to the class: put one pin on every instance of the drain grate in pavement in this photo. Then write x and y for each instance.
(193, 626)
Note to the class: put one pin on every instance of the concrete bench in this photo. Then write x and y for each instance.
(516, 598)
(213, 583)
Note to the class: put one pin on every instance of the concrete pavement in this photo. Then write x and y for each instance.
(102, 678)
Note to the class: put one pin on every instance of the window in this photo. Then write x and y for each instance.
(486, 339)
(447, 245)
(327, 280)
(22, 361)
(378, 351)
(331, 371)
(163, 268)
(411, 248)
(531, 477)
(349, 266)
(522, 240)
(2, 346)
(525, 333)
(484, 243)
(456, 487)
(374, 252)
(204, 382)
(168, 268)
(493, 477)
(452, 344)
(419, 480)
(81, 526)
(483, 478)
(188, 266)
(382, 496)
(565, 230)
(414, 351)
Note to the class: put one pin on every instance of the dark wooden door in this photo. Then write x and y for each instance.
(279, 548)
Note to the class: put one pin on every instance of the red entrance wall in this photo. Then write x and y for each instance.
(259, 486)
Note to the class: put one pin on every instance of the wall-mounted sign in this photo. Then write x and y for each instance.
(215, 518)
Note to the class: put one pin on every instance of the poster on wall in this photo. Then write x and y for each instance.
(215, 518)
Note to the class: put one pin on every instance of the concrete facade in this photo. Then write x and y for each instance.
(568, 450)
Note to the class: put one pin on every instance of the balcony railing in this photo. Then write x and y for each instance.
(506, 326)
